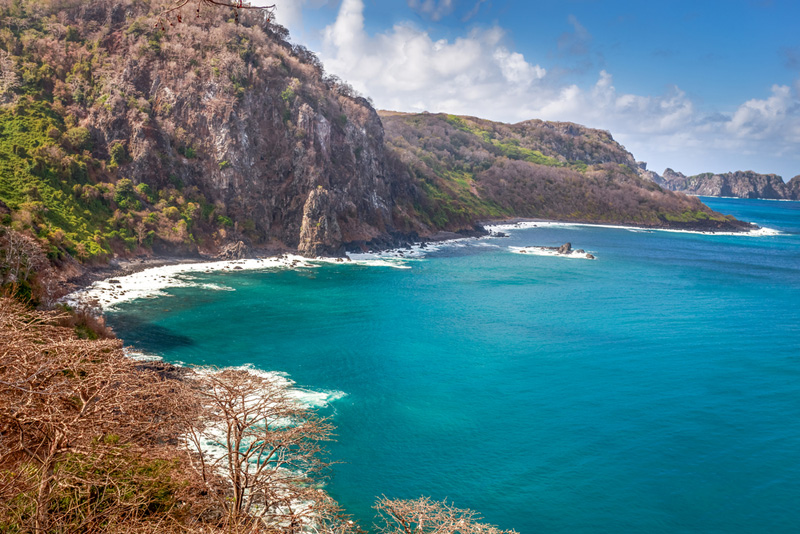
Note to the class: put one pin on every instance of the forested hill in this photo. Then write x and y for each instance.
(470, 167)
(123, 136)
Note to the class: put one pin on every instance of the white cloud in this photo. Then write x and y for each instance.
(403, 68)
(435, 10)
(474, 11)
(289, 13)
(762, 119)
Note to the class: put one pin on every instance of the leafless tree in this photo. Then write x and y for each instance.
(20, 257)
(267, 445)
(426, 516)
(173, 10)
(66, 401)
(141, 232)
(9, 80)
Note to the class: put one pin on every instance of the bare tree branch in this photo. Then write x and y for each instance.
(426, 516)
(174, 10)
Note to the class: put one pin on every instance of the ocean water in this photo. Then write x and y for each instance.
(653, 390)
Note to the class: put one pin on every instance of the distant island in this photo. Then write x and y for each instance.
(741, 184)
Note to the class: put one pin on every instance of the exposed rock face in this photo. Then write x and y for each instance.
(742, 184)
(234, 251)
(650, 175)
(249, 120)
(566, 248)
(320, 234)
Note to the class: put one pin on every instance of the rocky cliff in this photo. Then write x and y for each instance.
(742, 184)
(237, 130)
(124, 134)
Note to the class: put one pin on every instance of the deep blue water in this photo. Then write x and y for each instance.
(655, 390)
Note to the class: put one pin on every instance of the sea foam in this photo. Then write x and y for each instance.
(524, 225)
(151, 283)
(549, 251)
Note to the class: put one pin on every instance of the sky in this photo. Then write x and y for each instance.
(697, 86)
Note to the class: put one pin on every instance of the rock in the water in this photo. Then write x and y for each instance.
(566, 248)
(580, 251)
(234, 251)
(589, 257)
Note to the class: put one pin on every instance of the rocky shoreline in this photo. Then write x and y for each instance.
(238, 250)
(705, 227)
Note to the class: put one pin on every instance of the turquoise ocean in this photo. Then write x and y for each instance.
(653, 390)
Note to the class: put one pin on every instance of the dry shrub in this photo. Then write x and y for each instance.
(87, 435)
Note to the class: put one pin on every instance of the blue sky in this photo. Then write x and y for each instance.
(696, 86)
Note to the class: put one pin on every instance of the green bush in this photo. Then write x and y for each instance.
(146, 192)
(125, 196)
(78, 139)
(288, 95)
(172, 213)
(119, 155)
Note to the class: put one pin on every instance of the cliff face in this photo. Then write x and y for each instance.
(742, 184)
(273, 144)
(226, 131)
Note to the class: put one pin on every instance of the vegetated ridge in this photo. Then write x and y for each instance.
(120, 138)
(742, 184)
(469, 167)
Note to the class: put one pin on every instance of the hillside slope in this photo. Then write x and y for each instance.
(471, 167)
(125, 137)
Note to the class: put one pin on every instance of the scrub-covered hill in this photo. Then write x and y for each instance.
(471, 167)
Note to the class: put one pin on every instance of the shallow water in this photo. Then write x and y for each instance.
(656, 389)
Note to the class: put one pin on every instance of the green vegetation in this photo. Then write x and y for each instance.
(118, 153)
(510, 148)
(288, 95)
(46, 185)
(55, 190)
(450, 201)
